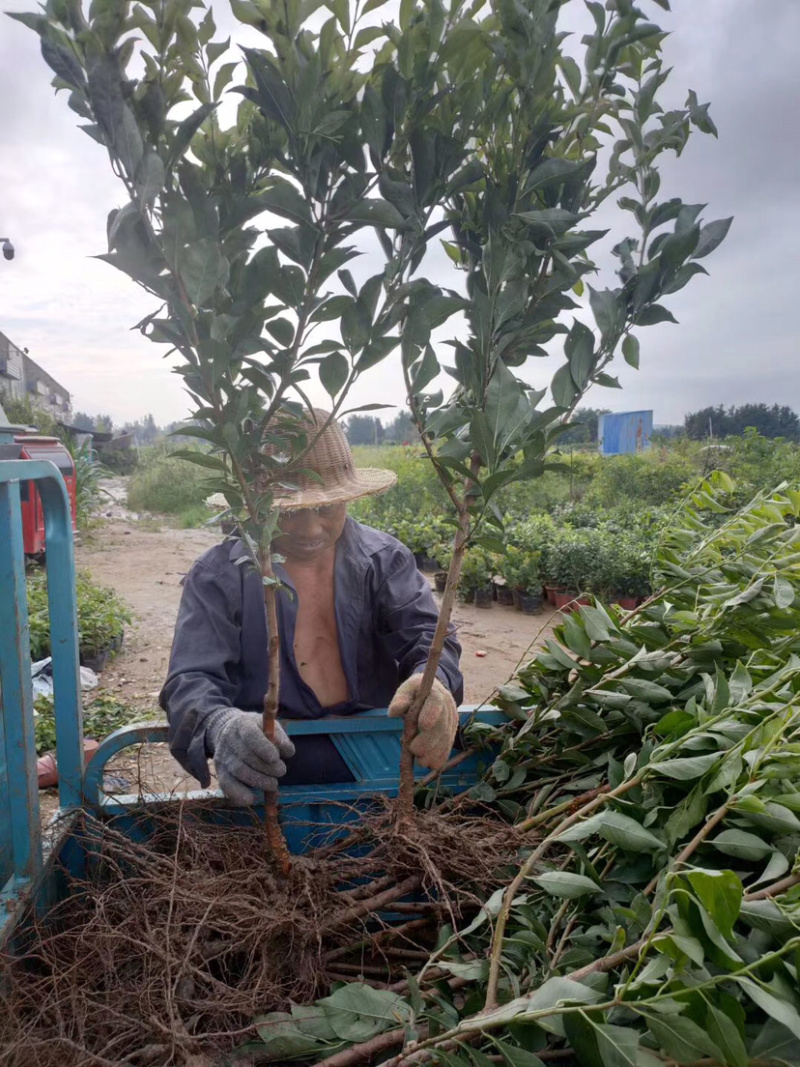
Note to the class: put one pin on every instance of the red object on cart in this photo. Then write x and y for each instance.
(34, 447)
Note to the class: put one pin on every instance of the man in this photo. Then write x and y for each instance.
(356, 620)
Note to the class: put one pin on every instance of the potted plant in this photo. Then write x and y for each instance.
(476, 578)
(511, 568)
(571, 565)
(632, 584)
(530, 585)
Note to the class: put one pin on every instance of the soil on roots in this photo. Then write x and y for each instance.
(180, 932)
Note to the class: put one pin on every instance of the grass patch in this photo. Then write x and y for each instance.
(194, 517)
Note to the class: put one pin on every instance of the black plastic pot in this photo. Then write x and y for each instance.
(483, 598)
(440, 580)
(96, 661)
(419, 559)
(505, 596)
(430, 564)
(531, 604)
(468, 596)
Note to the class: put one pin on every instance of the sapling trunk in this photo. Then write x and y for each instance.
(405, 796)
(275, 838)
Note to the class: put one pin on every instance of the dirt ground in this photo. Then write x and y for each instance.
(143, 559)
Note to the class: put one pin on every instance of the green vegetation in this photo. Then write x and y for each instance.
(102, 714)
(590, 527)
(102, 616)
(164, 483)
(656, 758)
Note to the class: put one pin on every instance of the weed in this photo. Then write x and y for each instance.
(165, 483)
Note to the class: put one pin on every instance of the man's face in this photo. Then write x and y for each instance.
(306, 535)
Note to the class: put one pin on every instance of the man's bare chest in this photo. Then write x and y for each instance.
(316, 638)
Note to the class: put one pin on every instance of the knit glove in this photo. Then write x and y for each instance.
(244, 757)
(437, 722)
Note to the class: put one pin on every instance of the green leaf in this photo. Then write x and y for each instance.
(186, 131)
(644, 689)
(333, 373)
(282, 330)
(579, 350)
(782, 1011)
(711, 236)
(273, 94)
(627, 833)
(566, 884)
(507, 408)
(653, 314)
(604, 1045)
(775, 1043)
(551, 994)
(724, 1032)
(682, 1039)
(376, 213)
(741, 845)
(608, 312)
(201, 459)
(783, 592)
(720, 893)
(549, 221)
(358, 1012)
(630, 350)
(203, 268)
(688, 767)
(563, 387)
(356, 325)
(515, 1056)
(284, 199)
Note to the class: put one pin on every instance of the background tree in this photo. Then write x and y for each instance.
(402, 429)
(583, 430)
(769, 421)
(364, 430)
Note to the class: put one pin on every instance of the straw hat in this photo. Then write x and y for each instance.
(330, 457)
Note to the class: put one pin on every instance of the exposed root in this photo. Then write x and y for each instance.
(177, 933)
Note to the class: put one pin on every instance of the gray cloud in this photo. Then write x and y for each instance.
(737, 339)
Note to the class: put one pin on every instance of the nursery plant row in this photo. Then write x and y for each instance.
(576, 552)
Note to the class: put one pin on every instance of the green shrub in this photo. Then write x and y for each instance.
(520, 569)
(477, 570)
(166, 484)
(653, 478)
(101, 615)
(418, 491)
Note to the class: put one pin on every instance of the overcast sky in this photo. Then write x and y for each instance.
(738, 336)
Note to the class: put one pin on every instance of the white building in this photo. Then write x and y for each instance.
(21, 377)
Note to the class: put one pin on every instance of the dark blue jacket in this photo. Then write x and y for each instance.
(385, 615)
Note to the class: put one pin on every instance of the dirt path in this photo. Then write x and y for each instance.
(143, 559)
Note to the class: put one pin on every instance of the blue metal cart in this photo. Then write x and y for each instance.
(29, 868)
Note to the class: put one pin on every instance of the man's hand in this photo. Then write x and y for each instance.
(437, 722)
(243, 757)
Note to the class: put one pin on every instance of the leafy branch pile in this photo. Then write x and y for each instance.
(657, 755)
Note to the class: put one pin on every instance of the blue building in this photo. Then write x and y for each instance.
(624, 432)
